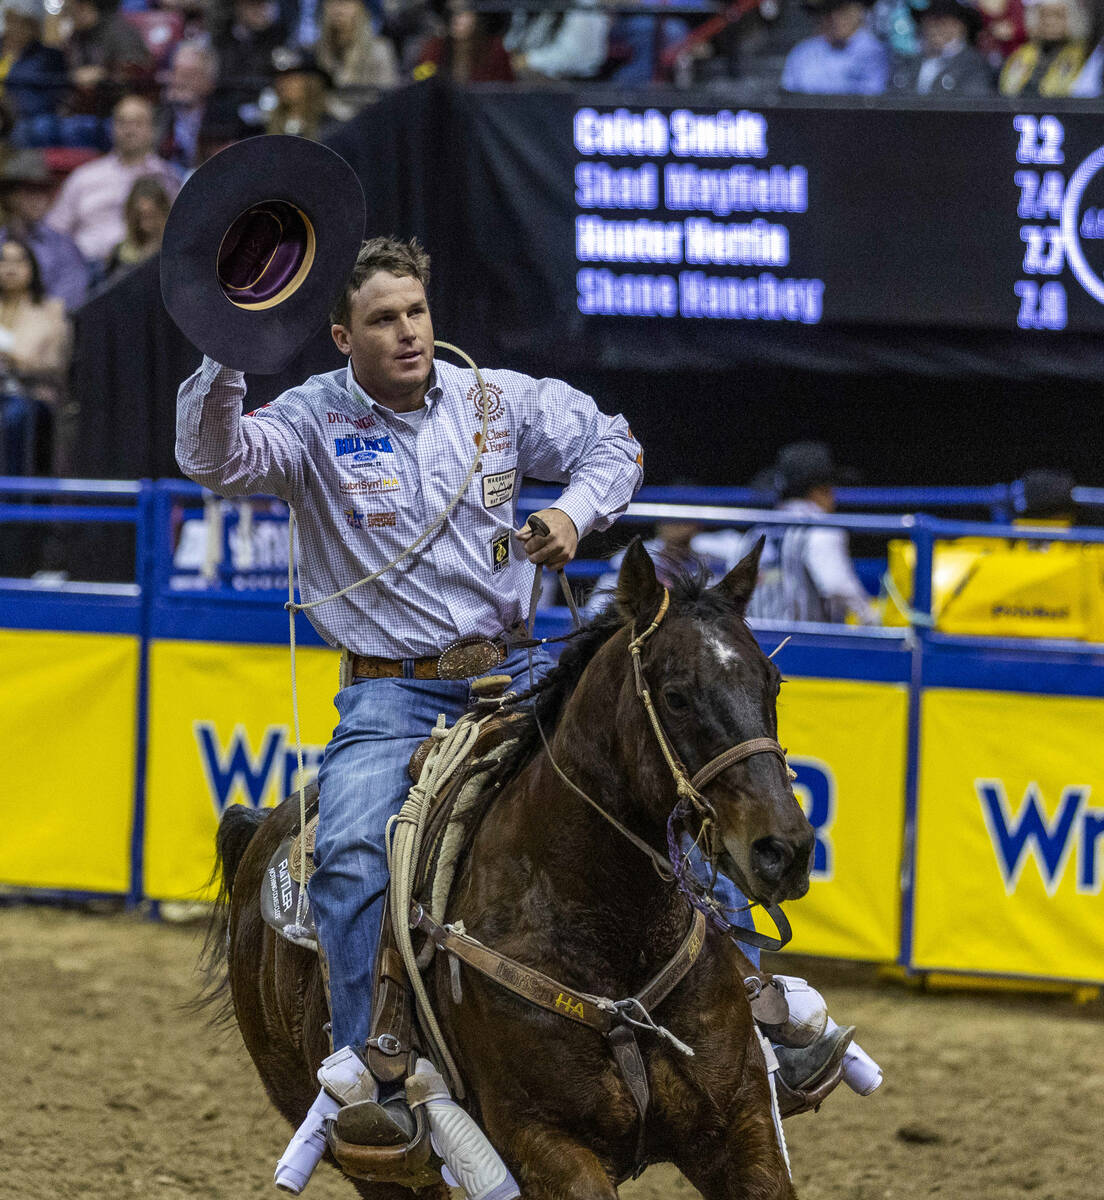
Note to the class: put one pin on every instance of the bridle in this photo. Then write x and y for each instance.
(690, 801)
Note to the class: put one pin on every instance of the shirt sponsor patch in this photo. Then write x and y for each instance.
(500, 551)
(376, 520)
(340, 418)
(385, 483)
(497, 440)
(494, 400)
(361, 449)
(498, 488)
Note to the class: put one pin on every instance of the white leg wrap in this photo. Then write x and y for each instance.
(808, 1017)
(860, 1072)
(298, 1161)
(471, 1159)
(345, 1076)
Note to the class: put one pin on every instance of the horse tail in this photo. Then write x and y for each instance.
(236, 829)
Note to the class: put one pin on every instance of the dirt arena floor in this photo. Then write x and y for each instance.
(111, 1091)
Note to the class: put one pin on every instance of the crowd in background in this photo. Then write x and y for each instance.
(107, 105)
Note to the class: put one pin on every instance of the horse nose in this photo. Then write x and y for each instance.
(770, 858)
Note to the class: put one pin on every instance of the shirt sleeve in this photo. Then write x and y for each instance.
(829, 563)
(566, 439)
(63, 213)
(874, 70)
(227, 453)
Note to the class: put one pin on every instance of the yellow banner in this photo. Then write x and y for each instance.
(69, 703)
(847, 744)
(221, 732)
(1009, 845)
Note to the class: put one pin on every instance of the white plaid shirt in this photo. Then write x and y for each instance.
(365, 483)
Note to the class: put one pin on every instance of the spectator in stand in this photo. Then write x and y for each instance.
(1005, 29)
(948, 64)
(844, 59)
(147, 210)
(33, 76)
(34, 354)
(359, 62)
(192, 105)
(471, 51)
(245, 50)
(89, 207)
(559, 45)
(1052, 58)
(26, 188)
(805, 572)
(107, 56)
(638, 43)
(302, 92)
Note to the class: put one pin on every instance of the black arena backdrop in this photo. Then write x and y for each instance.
(654, 235)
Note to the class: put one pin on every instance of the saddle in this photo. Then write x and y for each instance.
(394, 1040)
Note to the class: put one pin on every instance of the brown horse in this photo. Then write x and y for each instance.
(550, 883)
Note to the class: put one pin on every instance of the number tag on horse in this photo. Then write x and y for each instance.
(280, 900)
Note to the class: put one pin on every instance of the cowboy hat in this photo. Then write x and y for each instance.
(259, 243)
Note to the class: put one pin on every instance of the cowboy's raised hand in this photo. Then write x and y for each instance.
(555, 548)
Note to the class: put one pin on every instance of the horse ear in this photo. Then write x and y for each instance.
(739, 583)
(638, 590)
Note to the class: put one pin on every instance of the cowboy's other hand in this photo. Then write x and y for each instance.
(555, 549)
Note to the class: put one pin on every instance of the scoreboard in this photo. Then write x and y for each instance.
(808, 216)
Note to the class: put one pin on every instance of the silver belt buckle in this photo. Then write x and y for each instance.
(467, 657)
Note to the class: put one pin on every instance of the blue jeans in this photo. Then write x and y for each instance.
(362, 783)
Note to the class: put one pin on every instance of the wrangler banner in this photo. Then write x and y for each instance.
(221, 732)
(847, 742)
(70, 705)
(1009, 845)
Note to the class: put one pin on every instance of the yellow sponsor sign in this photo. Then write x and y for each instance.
(221, 732)
(69, 702)
(1010, 851)
(847, 743)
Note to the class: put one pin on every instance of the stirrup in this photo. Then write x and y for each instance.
(814, 1072)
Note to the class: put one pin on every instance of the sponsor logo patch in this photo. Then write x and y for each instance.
(500, 551)
(495, 403)
(339, 418)
(385, 483)
(498, 488)
(362, 449)
(497, 440)
(376, 520)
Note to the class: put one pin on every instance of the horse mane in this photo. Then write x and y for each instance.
(690, 595)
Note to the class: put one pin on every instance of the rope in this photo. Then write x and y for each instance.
(404, 835)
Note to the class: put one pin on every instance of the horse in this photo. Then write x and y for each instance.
(550, 882)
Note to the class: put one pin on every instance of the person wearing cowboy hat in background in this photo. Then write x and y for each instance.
(948, 63)
(26, 190)
(843, 59)
(1050, 62)
(805, 572)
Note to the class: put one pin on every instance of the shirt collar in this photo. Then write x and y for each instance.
(433, 394)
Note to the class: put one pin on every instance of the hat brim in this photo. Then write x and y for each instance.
(259, 170)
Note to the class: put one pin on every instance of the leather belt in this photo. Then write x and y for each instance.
(462, 660)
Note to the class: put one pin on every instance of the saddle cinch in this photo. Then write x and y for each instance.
(395, 1040)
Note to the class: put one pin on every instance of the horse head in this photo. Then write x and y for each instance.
(713, 689)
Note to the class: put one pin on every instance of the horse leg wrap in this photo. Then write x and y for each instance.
(471, 1160)
(808, 1016)
(346, 1077)
(306, 1148)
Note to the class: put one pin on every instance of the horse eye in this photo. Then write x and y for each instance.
(675, 701)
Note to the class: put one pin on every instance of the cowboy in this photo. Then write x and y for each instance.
(369, 456)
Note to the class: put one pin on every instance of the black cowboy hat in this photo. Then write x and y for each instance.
(801, 466)
(258, 245)
(967, 13)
